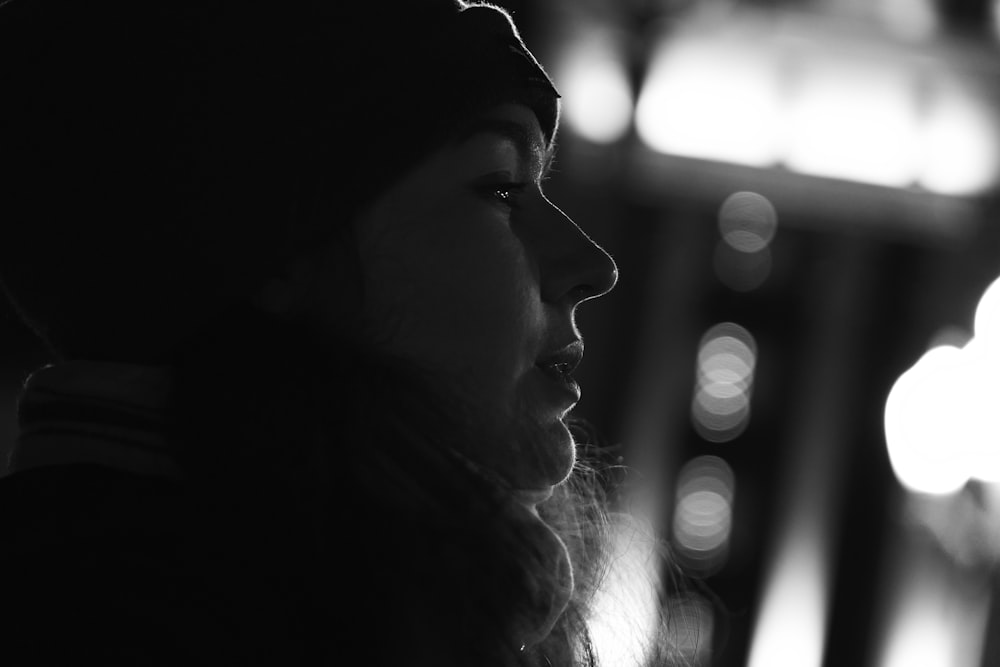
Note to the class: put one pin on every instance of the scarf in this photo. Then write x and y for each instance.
(85, 412)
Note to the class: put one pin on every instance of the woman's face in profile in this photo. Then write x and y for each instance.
(474, 276)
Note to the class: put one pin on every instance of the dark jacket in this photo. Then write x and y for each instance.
(116, 550)
(108, 556)
(107, 567)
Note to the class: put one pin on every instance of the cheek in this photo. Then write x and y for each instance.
(460, 301)
(492, 295)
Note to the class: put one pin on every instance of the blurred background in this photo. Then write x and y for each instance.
(802, 356)
(801, 197)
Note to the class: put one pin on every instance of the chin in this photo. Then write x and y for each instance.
(551, 453)
(567, 443)
(531, 449)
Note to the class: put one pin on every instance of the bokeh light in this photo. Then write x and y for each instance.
(959, 139)
(727, 357)
(916, 425)
(703, 513)
(941, 424)
(747, 224)
(593, 79)
(747, 221)
(986, 320)
(854, 121)
(711, 100)
(692, 628)
(748, 90)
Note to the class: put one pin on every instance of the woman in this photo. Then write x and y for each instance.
(313, 319)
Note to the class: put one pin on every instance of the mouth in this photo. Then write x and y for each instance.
(558, 366)
(561, 363)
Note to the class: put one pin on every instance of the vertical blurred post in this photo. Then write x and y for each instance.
(656, 409)
(932, 611)
(791, 622)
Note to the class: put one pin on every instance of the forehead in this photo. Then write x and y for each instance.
(513, 123)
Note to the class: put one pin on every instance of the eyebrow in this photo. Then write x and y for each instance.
(528, 144)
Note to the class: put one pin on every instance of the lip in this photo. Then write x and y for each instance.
(556, 368)
(568, 356)
(562, 387)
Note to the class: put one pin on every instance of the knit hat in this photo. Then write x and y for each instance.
(152, 155)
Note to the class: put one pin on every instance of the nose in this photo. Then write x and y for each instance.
(573, 268)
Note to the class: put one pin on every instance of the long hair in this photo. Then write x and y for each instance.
(624, 571)
(419, 558)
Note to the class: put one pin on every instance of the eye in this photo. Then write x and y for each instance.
(506, 194)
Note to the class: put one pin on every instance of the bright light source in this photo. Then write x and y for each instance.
(714, 101)
(596, 92)
(855, 122)
(741, 94)
(790, 628)
(959, 140)
(986, 322)
(920, 415)
(941, 423)
(975, 421)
